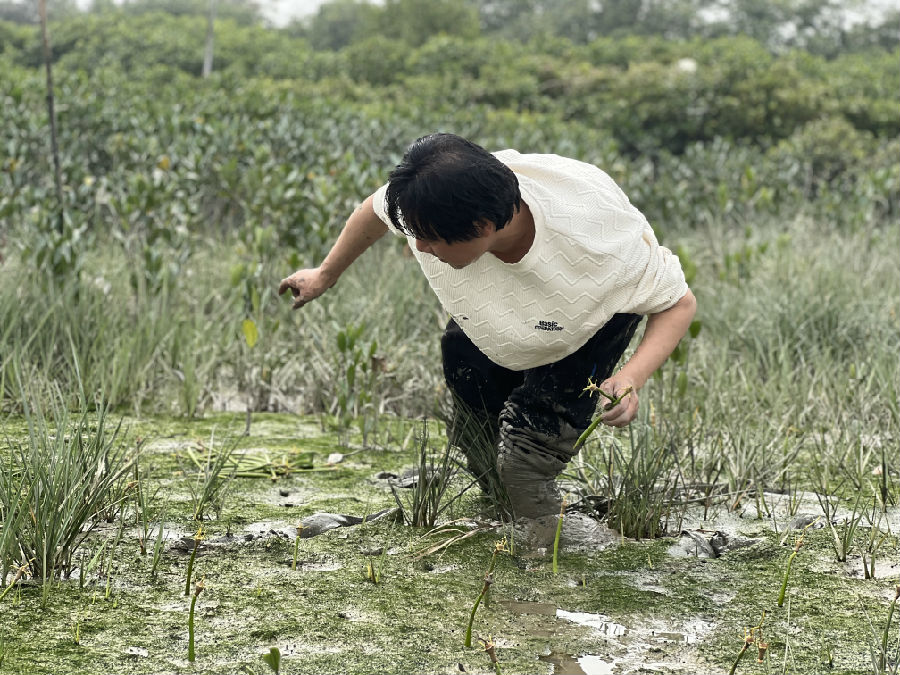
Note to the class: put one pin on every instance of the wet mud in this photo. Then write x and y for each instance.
(318, 564)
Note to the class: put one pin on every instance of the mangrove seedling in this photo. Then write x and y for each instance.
(197, 590)
(373, 573)
(787, 572)
(190, 568)
(273, 659)
(499, 547)
(750, 637)
(611, 402)
(491, 650)
(559, 525)
(76, 631)
(21, 572)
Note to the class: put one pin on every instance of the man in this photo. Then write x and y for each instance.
(546, 270)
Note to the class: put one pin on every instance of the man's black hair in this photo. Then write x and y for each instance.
(445, 187)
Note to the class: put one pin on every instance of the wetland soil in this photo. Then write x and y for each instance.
(678, 604)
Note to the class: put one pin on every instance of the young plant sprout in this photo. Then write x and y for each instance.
(787, 571)
(751, 637)
(273, 659)
(559, 525)
(611, 402)
(499, 547)
(197, 590)
(198, 537)
(490, 650)
(21, 572)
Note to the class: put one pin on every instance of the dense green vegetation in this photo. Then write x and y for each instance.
(185, 199)
(766, 158)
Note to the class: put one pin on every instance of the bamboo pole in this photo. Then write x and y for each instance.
(51, 113)
(210, 34)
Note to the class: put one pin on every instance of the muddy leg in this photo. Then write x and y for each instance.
(543, 418)
(479, 388)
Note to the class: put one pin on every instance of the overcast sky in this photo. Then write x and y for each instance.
(280, 12)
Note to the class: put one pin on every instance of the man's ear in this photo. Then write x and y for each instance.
(485, 227)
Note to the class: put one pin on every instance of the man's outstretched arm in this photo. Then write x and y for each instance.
(363, 228)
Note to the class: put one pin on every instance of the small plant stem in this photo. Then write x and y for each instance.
(11, 584)
(612, 402)
(191, 631)
(197, 590)
(747, 643)
(488, 580)
(491, 651)
(787, 570)
(190, 568)
(882, 659)
(559, 524)
(587, 432)
(749, 639)
(784, 583)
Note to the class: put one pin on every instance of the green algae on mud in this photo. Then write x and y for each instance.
(681, 614)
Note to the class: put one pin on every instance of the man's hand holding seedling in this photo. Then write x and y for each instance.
(619, 397)
(621, 401)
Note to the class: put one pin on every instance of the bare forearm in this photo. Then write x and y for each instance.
(662, 334)
(363, 228)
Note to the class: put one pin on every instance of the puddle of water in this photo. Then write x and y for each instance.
(620, 638)
(597, 621)
(566, 664)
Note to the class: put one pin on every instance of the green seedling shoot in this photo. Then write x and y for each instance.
(197, 590)
(190, 568)
(754, 635)
(787, 571)
(273, 659)
(559, 525)
(76, 631)
(611, 402)
(21, 571)
(499, 547)
(491, 650)
(373, 574)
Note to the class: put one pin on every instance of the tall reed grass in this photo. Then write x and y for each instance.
(67, 474)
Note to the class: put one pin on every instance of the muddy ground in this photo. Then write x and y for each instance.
(679, 604)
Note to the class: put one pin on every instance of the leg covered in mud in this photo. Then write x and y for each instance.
(517, 429)
(543, 418)
(479, 388)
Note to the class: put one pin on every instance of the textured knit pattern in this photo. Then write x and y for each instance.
(594, 255)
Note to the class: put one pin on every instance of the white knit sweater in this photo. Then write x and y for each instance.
(594, 255)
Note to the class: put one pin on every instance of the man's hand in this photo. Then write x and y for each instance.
(626, 409)
(306, 285)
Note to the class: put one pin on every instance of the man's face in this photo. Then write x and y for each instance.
(458, 254)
